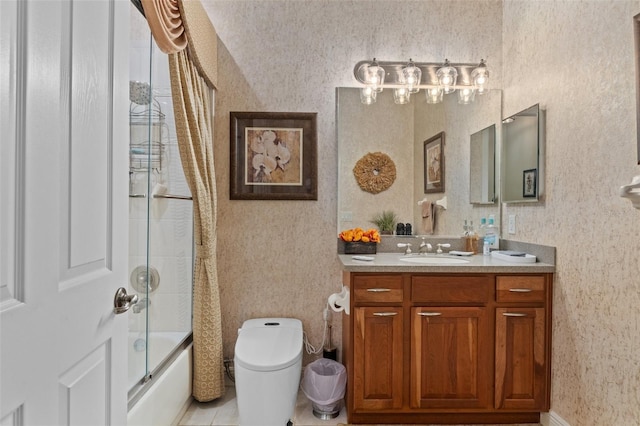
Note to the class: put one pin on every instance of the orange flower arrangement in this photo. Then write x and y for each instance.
(359, 234)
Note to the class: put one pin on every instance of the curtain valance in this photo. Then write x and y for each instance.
(178, 24)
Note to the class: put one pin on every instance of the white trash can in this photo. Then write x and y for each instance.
(324, 383)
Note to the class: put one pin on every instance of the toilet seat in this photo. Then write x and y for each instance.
(269, 344)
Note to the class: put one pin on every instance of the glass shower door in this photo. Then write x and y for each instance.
(160, 216)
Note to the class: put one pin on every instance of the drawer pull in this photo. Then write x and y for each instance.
(378, 290)
(513, 314)
(384, 314)
(520, 290)
(429, 314)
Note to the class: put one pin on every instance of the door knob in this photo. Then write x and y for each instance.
(123, 301)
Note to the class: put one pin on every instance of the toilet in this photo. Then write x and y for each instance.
(268, 363)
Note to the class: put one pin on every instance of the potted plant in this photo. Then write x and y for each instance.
(385, 221)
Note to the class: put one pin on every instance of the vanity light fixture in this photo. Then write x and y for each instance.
(480, 77)
(437, 79)
(434, 95)
(375, 76)
(412, 76)
(401, 95)
(447, 77)
(466, 95)
(367, 95)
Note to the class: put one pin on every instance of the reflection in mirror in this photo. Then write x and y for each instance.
(400, 132)
(482, 166)
(522, 156)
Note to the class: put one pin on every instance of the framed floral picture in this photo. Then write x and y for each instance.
(434, 164)
(273, 156)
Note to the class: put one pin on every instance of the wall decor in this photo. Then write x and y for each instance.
(434, 164)
(273, 156)
(636, 31)
(375, 172)
(529, 183)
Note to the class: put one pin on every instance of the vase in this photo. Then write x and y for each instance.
(358, 247)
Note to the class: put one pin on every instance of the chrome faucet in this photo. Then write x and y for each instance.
(407, 247)
(439, 250)
(425, 247)
(142, 304)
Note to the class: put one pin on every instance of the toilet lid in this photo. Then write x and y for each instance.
(269, 345)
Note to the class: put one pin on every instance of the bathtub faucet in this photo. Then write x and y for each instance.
(141, 305)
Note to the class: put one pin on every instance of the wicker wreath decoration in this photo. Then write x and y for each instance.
(375, 172)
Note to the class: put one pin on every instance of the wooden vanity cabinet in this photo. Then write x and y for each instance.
(522, 342)
(447, 348)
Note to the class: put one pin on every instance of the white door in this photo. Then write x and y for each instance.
(63, 241)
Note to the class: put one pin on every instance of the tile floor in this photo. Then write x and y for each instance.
(224, 412)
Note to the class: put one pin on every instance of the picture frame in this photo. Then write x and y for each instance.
(530, 183)
(273, 156)
(433, 158)
(636, 32)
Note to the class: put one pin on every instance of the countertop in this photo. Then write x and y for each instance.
(390, 262)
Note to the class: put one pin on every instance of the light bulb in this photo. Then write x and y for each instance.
(480, 78)
(411, 76)
(466, 95)
(434, 95)
(401, 95)
(447, 76)
(367, 95)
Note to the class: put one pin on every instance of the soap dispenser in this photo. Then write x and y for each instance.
(491, 233)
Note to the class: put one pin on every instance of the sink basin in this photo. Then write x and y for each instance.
(433, 260)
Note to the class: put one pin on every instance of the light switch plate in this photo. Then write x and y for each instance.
(512, 224)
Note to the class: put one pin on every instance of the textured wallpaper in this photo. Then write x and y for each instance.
(575, 58)
(277, 258)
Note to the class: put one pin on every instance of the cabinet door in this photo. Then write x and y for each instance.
(377, 353)
(451, 366)
(520, 358)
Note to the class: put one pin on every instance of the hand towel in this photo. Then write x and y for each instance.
(158, 205)
(427, 217)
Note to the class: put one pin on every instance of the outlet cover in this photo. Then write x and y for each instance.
(512, 224)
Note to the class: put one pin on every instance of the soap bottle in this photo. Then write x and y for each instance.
(471, 239)
(485, 248)
(491, 233)
(483, 226)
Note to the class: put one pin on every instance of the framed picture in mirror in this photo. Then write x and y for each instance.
(434, 164)
(529, 183)
(273, 156)
(636, 31)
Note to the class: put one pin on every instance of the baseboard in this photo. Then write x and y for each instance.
(552, 419)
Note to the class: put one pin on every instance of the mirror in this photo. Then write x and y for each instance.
(522, 155)
(482, 168)
(400, 132)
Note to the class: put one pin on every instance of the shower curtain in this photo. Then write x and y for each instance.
(182, 30)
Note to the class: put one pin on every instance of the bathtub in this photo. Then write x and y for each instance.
(164, 398)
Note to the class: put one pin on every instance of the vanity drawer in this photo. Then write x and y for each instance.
(452, 289)
(377, 288)
(520, 288)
